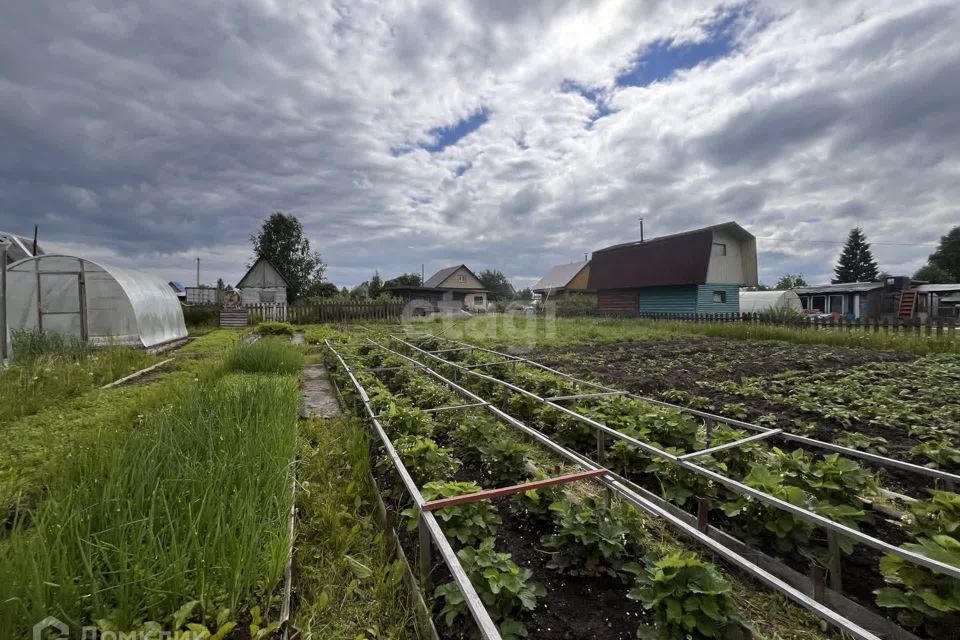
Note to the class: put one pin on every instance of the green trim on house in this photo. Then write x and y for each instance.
(706, 302)
(679, 299)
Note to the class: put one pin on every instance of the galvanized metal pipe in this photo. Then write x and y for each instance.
(730, 445)
(621, 486)
(488, 630)
(939, 474)
(734, 485)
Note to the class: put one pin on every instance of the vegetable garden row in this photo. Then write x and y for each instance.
(436, 435)
(801, 506)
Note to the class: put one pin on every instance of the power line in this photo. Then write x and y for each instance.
(885, 244)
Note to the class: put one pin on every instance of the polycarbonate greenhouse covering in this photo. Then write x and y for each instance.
(95, 302)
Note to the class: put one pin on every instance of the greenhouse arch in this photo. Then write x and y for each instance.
(98, 303)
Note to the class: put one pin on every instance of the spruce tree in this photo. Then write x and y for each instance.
(856, 262)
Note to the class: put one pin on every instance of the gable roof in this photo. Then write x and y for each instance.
(677, 259)
(254, 266)
(439, 277)
(18, 247)
(560, 276)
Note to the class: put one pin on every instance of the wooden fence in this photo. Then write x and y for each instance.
(334, 311)
(935, 327)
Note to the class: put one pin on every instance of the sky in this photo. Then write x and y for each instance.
(500, 134)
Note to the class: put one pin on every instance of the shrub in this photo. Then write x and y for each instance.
(468, 523)
(589, 539)
(266, 356)
(506, 590)
(689, 599)
(274, 329)
(207, 315)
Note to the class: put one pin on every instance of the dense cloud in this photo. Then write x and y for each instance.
(147, 134)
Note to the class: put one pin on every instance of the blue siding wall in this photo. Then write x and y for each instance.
(668, 300)
(705, 303)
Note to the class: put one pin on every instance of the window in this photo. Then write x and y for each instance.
(478, 301)
(836, 304)
(461, 278)
(819, 304)
(720, 296)
(719, 249)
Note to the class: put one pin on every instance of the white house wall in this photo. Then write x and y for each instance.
(728, 268)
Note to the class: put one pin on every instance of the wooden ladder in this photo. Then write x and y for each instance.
(908, 302)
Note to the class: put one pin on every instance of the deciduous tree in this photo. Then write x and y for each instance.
(496, 284)
(282, 242)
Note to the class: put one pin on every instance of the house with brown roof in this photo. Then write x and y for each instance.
(455, 287)
(564, 280)
(698, 271)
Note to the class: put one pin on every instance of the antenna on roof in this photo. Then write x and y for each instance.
(34, 239)
(641, 229)
(584, 256)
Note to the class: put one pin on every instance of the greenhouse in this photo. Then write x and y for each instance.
(95, 302)
(763, 301)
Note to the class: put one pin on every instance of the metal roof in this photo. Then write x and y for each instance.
(560, 276)
(844, 287)
(939, 288)
(677, 259)
(437, 279)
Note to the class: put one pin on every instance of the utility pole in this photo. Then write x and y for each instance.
(198, 271)
(3, 301)
(422, 274)
(641, 229)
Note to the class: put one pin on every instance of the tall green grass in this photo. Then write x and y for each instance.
(192, 506)
(268, 355)
(32, 344)
(43, 377)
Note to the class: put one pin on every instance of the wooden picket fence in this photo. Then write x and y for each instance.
(932, 327)
(334, 311)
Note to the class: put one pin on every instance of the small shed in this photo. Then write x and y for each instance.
(763, 301)
(94, 302)
(263, 283)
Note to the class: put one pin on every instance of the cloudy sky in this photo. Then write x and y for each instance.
(504, 134)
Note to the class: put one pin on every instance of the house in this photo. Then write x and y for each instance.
(564, 280)
(699, 271)
(454, 287)
(18, 247)
(895, 298)
(179, 288)
(262, 284)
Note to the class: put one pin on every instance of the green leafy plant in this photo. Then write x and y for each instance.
(271, 328)
(921, 597)
(469, 523)
(939, 454)
(689, 599)
(507, 590)
(504, 461)
(471, 435)
(402, 419)
(424, 459)
(589, 538)
(939, 515)
(862, 442)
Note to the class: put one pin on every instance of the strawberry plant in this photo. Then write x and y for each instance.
(862, 442)
(689, 599)
(939, 515)
(399, 419)
(504, 461)
(471, 435)
(830, 478)
(507, 590)
(424, 459)
(468, 523)
(589, 539)
(921, 597)
(938, 454)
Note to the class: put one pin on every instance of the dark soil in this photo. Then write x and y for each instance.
(653, 367)
(661, 365)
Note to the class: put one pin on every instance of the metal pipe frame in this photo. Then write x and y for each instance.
(501, 492)
(456, 406)
(733, 485)
(622, 487)
(730, 445)
(785, 435)
(583, 396)
(488, 630)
